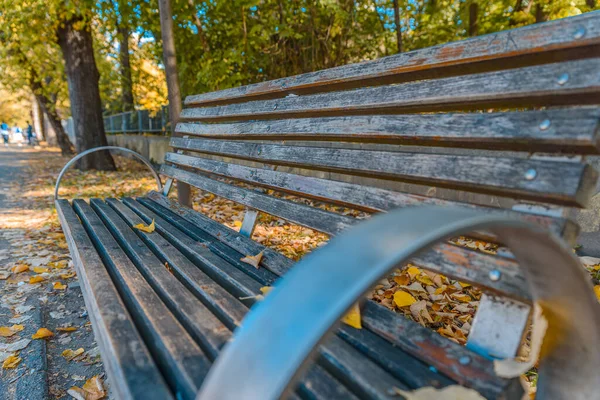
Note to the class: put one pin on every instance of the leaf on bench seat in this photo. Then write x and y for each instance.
(353, 317)
(92, 390)
(42, 333)
(11, 362)
(146, 228)
(453, 392)
(253, 260)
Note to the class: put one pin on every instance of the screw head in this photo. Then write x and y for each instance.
(579, 32)
(268, 128)
(464, 360)
(545, 124)
(495, 275)
(275, 107)
(562, 79)
(530, 174)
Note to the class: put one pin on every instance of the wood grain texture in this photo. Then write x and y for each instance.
(440, 352)
(133, 373)
(571, 130)
(360, 197)
(525, 87)
(163, 334)
(548, 42)
(557, 182)
(203, 307)
(459, 263)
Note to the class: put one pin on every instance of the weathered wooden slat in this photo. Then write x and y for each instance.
(363, 376)
(559, 182)
(132, 370)
(429, 354)
(409, 369)
(446, 356)
(572, 130)
(181, 231)
(178, 356)
(568, 83)
(568, 38)
(182, 284)
(457, 262)
(366, 198)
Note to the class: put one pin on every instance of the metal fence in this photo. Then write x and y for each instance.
(140, 121)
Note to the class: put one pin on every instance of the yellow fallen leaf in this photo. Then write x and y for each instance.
(59, 286)
(425, 280)
(403, 299)
(464, 298)
(17, 328)
(67, 276)
(62, 245)
(413, 271)
(145, 228)
(69, 354)
(237, 224)
(402, 279)
(266, 289)
(597, 291)
(6, 331)
(464, 285)
(42, 333)
(353, 317)
(40, 270)
(253, 260)
(453, 392)
(20, 268)
(67, 329)
(11, 362)
(94, 388)
(36, 279)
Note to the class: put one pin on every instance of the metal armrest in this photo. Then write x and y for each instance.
(85, 153)
(276, 340)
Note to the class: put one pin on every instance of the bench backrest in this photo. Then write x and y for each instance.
(500, 122)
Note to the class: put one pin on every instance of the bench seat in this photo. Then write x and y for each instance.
(163, 304)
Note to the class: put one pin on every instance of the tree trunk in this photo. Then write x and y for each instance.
(473, 19)
(82, 78)
(63, 141)
(539, 14)
(397, 22)
(126, 82)
(37, 118)
(591, 3)
(170, 61)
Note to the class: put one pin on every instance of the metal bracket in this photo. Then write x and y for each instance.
(249, 222)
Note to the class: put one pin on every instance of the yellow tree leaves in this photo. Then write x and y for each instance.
(253, 260)
(146, 228)
(17, 269)
(69, 354)
(59, 286)
(42, 333)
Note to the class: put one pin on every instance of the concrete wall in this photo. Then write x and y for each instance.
(153, 148)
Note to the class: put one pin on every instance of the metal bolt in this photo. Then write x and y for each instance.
(545, 124)
(579, 33)
(564, 78)
(530, 174)
(495, 275)
(268, 128)
(464, 360)
(275, 106)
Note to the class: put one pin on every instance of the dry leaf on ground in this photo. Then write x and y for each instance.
(42, 333)
(146, 228)
(91, 390)
(20, 268)
(11, 362)
(69, 354)
(453, 392)
(403, 299)
(66, 329)
(7, 331)
(253, 260)
(36, 279)
(59, 286)
(353, 317)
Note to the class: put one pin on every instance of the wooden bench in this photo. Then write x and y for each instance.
(487, 135)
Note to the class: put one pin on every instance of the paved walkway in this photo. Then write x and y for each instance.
(43, 372)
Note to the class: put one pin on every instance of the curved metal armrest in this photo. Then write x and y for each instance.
(85, 153)
(280, 334)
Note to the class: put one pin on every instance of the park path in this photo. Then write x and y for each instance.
(26, 238)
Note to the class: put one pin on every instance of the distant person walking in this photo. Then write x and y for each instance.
(4, 131)
(30, 135)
